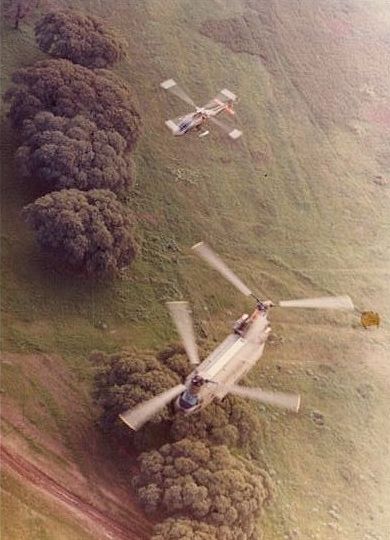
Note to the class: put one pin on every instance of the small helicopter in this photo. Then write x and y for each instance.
(196, 120)
(218, 374)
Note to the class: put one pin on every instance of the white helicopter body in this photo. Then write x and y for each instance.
(196, 120)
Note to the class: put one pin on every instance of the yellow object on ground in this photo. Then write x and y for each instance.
(369, 318)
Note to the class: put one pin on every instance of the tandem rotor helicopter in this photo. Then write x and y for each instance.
(196, 120)
(218, 374)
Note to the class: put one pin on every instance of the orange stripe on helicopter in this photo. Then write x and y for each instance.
(227, 108)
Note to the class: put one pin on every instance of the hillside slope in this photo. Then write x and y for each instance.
(298, 207)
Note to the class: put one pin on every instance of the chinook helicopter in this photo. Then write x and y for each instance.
(218, 374)
(196, 120)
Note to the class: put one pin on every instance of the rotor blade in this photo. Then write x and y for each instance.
(141, 413)
(279, 399)
(204, 251)
(220, 124)
(232, 132)
(173, 87)
(181, 315)
(324, 302)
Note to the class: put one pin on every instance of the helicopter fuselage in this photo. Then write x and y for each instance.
(226, 365)
(198, 118)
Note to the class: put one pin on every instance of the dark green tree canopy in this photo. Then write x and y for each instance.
(206, 483)
(65, 152)
(125, 379)
(67, 89)
(175, 358)
(185, 529)
(190, 529)
(231, 422)
(86, 231)
(81, 38)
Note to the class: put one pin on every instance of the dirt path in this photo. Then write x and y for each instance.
(102, 524)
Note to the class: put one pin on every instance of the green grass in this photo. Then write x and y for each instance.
(304, 221)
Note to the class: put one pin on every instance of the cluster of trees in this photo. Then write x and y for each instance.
(205, 482)
(190, 529)
(67, 89)
(231, 421)
(85, 230)
(78, 127)
(80, 38)
(63, 153)
(193, 479)
(125, 379)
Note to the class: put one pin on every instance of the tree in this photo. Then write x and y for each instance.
(175, 358)
(86, 231)
(231, 421)
(185, 529)
(207, 483)
(83, 39)
(17, 10)
(125, 379)
(190, 529)
(72, 152)
(67, 89)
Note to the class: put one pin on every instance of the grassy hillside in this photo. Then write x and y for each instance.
(298, 207)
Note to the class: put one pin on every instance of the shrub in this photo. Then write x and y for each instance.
(66, 89)
(87, 231)
(83, 39)
(72, 152)
(202, 482)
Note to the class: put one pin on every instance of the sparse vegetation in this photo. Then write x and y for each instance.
(15, 11)
(68, 90)
(72, 152)
(87, 231)
(81, 38)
